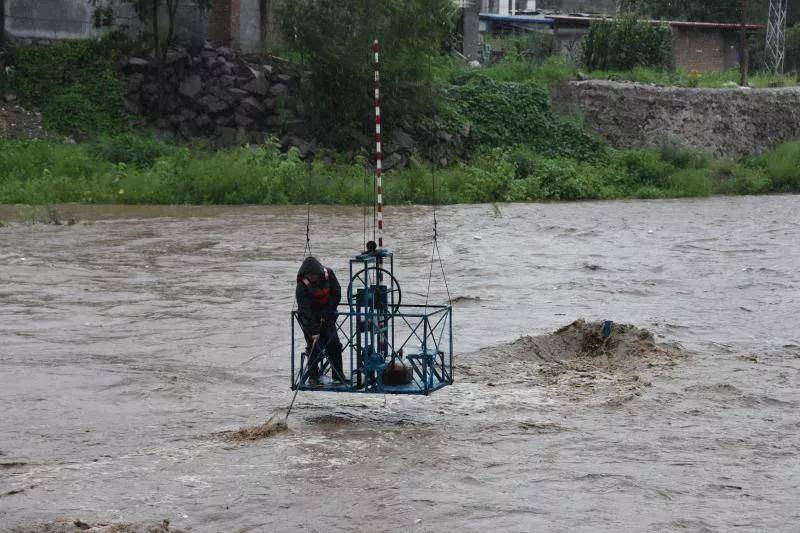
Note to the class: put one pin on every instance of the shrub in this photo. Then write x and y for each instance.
(546, 178)
(689, 183)
(782, 166)
(682, 157)
(137, 149)
(564, 179)
(533, 45)
(624, 43)
(73, 83)
(734, 178)
(645, 167)
(505, 113)
(489, 178)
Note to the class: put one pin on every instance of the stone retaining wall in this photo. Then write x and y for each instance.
(214, 93)
(723, 122)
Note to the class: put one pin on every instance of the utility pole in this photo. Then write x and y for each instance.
(776, 35)
(744, 48)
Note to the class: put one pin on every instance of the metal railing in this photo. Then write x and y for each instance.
(418, 337)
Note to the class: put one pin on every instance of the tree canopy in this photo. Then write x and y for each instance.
(335, 39)
(694, 10)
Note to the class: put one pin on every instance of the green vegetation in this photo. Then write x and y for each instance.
(46, 172)
(74, 84)
(505, 113)
(333, 38)
(520, 148)
(705, 11)
(553, 70)
(707, 80)
(625, 43)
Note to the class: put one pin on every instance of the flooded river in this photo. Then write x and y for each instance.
(128, 340)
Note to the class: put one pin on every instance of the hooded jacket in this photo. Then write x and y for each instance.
(319, 299)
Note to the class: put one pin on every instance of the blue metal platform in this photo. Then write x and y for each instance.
(380, 334)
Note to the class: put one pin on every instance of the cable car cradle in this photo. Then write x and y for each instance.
(393, 348)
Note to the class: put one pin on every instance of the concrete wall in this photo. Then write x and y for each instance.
(727, 122)
(471, 47)
(240, 23)
(250, 34)
(49, 19)
(46, 20)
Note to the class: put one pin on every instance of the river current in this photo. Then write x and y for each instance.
(130, 339)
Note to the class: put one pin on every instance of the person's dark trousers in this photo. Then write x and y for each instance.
(329, 340)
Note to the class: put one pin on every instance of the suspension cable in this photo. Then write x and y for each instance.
(435, 250)
(364, 200)
(307, 250)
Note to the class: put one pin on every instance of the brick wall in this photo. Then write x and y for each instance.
(704, 50)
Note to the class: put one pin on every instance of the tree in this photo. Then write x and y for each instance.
(625, 43)
(698, 11)
(334, 38)
(161, 16)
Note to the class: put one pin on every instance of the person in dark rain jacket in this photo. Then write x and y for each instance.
(318, 294)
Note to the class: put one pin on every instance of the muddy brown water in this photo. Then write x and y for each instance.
(128, 340)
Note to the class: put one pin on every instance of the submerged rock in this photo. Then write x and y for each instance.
(577, 360)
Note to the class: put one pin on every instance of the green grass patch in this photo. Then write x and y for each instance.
(46, 172)
(704, 80)
(519, 67)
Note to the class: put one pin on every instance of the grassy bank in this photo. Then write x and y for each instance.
(518, 148)
(43, 172)
(558, 70)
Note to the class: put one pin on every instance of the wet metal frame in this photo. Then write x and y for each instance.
(381, 335)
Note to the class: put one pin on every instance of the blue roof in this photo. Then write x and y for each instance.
(520, 19)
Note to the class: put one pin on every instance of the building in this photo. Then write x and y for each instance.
(528, 7)
(701, 46)
(239, 23)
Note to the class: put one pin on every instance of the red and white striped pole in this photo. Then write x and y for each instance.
(376, 48)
